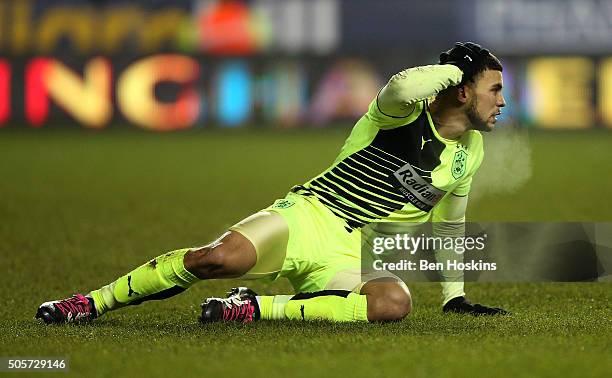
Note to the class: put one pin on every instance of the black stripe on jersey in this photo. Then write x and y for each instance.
(329, 198)
(385, 155)
(380, 211)
(384, 162)
(428, 162)
(414, 143)
(420, 169)
(343, 214)
(376, 198)
(349, 207)
(352, 224)
(384, 170)
(379, 159)
(361, 175)
(371, 150)
(348, 217)
(366, 186)
(358, 166)
(374, 201)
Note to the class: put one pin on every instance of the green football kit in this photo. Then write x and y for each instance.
(394, 167)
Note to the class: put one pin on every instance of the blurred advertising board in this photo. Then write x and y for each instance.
(268, 27)
(174, 91)
(542, 26)
(114, 27)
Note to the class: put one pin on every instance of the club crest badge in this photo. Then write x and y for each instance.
(459, 164)
(283, 203)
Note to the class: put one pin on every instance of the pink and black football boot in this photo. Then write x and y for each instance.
(77, 308)
(239, 306)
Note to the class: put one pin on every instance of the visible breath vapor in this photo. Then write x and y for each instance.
(507, 162)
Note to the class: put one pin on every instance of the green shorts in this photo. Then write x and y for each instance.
(300, 239)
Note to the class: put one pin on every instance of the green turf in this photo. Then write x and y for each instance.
(78, 209)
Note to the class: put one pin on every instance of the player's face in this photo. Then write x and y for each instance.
(486, 100)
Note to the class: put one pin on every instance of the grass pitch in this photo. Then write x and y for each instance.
(78, 209)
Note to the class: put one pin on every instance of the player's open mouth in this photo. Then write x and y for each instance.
(494, 116)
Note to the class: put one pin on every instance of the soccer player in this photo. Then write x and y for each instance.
(410, 158)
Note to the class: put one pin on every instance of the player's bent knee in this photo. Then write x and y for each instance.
(201, 262)
(401, 301)
(232, 255)
(389, 302)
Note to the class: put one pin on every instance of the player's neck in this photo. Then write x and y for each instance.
(450, 122)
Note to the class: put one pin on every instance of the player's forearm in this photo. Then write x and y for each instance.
(410, 86)
(449, 222)
(451, 279)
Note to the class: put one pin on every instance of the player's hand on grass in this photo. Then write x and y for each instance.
(461, 305)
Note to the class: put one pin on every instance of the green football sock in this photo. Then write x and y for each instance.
(335, 305)
(160, 278)
(272, 307)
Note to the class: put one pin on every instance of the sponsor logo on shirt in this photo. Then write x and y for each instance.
(419, 192)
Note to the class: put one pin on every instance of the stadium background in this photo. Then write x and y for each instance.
(254, 97)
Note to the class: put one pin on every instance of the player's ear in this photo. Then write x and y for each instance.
(463, 94)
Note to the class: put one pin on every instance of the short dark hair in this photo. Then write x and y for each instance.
(490, 62)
